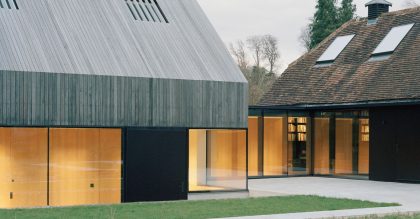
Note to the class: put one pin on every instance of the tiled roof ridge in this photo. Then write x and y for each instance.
(402, 11)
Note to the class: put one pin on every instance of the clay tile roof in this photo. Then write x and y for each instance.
(352, 78)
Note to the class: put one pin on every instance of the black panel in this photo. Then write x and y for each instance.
(382, 144)
(155, 165)
(408, 145)
(395, 144)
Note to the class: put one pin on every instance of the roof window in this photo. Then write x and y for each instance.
(392, 40)
(334, 50)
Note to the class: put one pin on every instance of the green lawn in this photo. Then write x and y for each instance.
(416, 216)
(196, 209)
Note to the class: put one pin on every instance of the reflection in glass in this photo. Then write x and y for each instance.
(275, 146)
(217, 160)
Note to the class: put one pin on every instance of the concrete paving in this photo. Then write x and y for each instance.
(408, 195)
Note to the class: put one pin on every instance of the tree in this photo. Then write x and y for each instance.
(264, 50)
(324, 21)
(328, 18)
(271, 52)
(255, 44)
(238, 51)
(346, 12)
(305, 38)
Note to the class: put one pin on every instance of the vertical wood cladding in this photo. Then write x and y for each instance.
(395, 140)
(48, 99)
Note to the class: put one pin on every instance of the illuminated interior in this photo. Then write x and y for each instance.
(253, 147)
(217, 160)
(85, 166)
(298, 148)
(342, 144)
(275, 146)
(322, 146)
(339, 145)
(23, 167)
(364, 147)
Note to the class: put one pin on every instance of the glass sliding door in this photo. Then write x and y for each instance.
(217, 160)
(275, 146)
(298, 146)
(23, 167)
(344, 146)
(322, 146)
(341, 143)
(85, 166)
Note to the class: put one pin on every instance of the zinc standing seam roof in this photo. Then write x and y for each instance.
(101, 37)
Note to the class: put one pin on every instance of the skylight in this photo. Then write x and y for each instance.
(334, 50)
(392, 40)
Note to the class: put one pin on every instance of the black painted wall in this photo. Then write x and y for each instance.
(395, 144)
(155, 165)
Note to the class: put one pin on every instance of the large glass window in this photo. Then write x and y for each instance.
(85, 166)
(341, 143)
(364, 147)
(322, 146)
(254, 147)
(23, 167)
(344, 146)
(298, 146)
(217, 160)
(275, 146)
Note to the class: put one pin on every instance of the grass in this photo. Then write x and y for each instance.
(402, 216)
(196, 209)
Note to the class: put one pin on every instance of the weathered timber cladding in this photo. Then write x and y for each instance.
(48, 99)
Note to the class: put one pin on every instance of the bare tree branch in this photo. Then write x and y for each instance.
(305, 38)
(271, 52)
(238, 51)
(255, 44)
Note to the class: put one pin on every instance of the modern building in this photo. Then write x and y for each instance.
(109, 101)
(348, 108)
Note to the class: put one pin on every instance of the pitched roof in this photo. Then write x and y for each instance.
(106, 37)
(352, 78)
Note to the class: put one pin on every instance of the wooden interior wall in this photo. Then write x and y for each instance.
(344, 146)
(322, 146)
(197, 159)
(253, 152)
(5, 162)
(23, 167)
(227, 150)
(85, 166)
(110, 159)
(274, 146)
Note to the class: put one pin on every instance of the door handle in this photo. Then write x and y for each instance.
(11, 195)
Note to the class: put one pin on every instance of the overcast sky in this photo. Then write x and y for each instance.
(238, 19)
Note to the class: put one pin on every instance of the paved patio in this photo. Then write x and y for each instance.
(408, 195)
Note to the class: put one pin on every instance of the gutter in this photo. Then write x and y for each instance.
(359, 105)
